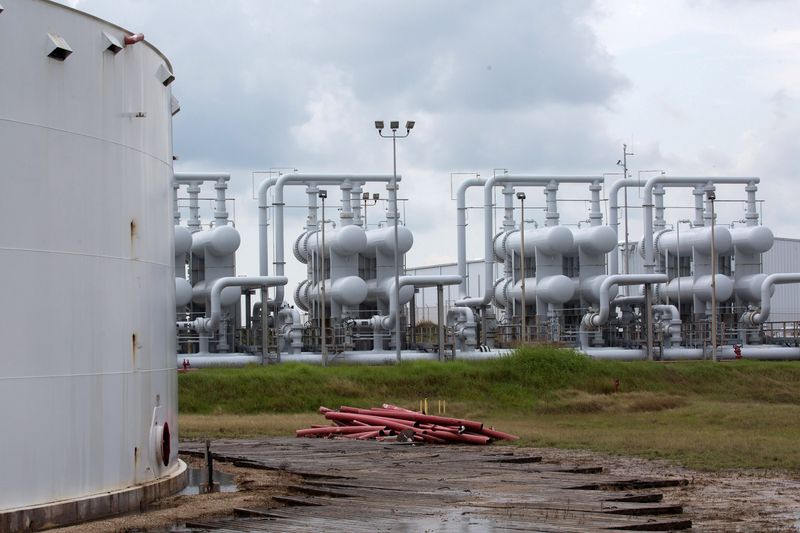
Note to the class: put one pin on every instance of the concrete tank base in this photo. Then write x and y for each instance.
(104, 504)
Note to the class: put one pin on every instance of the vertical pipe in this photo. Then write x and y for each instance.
(752, 214)
(658, 196)
(355, 201)
(176, 213)
(508, 207)
(596, 216)
(220, 214)
(551, 217)
(461, 230)
(312, 223)
(194, 206)
(346, 215)
(698, 206)
(708, 218)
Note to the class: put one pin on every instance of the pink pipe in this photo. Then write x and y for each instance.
(417, 417)
(464, 437)
(336, 430)
(390, 406)
(133, 39)
(396, 425)
(498, 434)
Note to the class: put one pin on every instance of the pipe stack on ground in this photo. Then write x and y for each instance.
(390, 422)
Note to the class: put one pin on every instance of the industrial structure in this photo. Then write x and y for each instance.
(88, 391)
(704, 284)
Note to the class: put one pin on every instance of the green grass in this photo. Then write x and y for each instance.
(741, 414)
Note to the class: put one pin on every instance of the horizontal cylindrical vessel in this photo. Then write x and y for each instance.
(220, 241)
(552, 289)
(382, 239)
(748, 288)
(347, 240)
(594, 240)
(549, 241)
(752, 239)
(700, 288)
(698, 239)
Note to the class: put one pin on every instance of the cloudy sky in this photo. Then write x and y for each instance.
(694, 87)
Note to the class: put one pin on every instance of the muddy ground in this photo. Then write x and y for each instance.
(727, 501)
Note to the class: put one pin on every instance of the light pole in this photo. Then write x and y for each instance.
(711, 195)
(365, 196)
(322, 195)
(521, 197)
(394, 125)
(624, 163)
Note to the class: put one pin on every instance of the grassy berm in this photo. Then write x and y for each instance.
(703, 415)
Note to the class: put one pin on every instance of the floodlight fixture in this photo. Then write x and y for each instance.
(520, 196)
(410, 124)
(711, 195)
(376, 196)
(378, 124)
(394, 124)
(365, 196)
(323, 194)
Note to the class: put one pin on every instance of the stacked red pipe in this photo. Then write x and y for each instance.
(390, 422)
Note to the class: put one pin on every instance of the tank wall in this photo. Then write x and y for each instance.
(86, 249)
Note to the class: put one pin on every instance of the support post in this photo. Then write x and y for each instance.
(440, 313)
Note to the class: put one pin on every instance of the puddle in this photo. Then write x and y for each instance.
(197, 476)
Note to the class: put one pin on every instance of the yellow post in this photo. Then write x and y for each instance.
(426, 406)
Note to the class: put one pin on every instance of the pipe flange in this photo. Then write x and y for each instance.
(656, 239)
(504, 292)
(301, 295)
(300, 248)
(503, 236)
(640, 246)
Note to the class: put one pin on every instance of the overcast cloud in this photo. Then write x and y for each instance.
(693, 87)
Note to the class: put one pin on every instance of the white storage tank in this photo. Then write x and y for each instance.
(88, 389)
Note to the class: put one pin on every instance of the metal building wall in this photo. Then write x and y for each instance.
(784, 257)
(87, 367)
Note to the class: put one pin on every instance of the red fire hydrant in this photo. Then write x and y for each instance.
(737, 351)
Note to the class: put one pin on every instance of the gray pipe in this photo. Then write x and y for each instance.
(190, 177)
(220, 214)
(194, 206)
(593, 320)
(488, 206)
(613, 217)
(279, 183)
(461, 230)
(387, 322)
(209, 324)
(647, 203)
(760, 316)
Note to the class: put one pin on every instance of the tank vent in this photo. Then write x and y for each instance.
(164, 75)
(111, 43)
(174, 105)
(59, 49)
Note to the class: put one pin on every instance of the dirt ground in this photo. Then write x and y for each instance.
(728, 501)
(256, 488)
